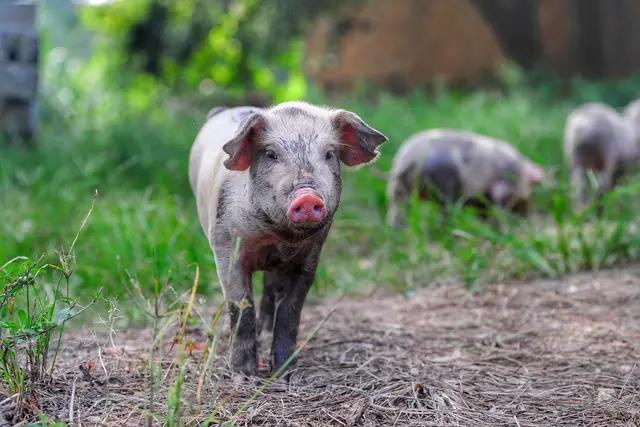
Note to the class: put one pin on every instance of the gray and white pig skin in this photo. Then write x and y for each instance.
(459, 166)
(600, 140)
(267, 184)
(632, 115)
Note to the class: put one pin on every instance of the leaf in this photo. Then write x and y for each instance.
(10, 326)
(539, 262)
(22, 317)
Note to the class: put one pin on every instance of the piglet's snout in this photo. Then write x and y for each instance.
(306, 208)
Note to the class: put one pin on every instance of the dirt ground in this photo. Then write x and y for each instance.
(543, 353)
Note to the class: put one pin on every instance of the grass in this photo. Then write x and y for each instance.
(132, 147)
(33, 315)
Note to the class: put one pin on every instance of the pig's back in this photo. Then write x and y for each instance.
(632, 117)
(487, 160)
(600, 129)
(416, 149)
(207, 172)
(463, 151)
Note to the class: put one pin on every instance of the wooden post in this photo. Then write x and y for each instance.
(18, 69)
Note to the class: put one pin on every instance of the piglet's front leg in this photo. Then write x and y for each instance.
(236, 283)
(243, 328)
(294, 285)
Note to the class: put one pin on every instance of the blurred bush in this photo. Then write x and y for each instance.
(247, 50)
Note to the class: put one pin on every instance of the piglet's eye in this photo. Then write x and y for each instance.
(271, 155)
(330, 155)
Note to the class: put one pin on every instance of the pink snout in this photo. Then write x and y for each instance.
(307, 208)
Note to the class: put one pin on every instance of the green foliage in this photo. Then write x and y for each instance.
(223, 48)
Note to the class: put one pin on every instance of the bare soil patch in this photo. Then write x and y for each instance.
(548, 352)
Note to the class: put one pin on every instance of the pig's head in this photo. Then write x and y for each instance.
(516, 193)
(292, 153)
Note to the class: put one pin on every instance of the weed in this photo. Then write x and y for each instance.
(32, 313)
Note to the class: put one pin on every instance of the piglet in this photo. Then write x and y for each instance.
(454, 166)
(601, 141)
(267, 185)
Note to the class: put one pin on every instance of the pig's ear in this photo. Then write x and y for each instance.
(359, 142)
(240, 148)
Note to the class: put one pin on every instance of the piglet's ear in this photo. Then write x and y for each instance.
(359, 142)
(240, 148)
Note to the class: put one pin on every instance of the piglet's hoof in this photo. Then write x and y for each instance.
(245, 364)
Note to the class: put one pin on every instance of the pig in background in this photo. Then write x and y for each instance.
(601, 141)
(267, 184)
(457, 166)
